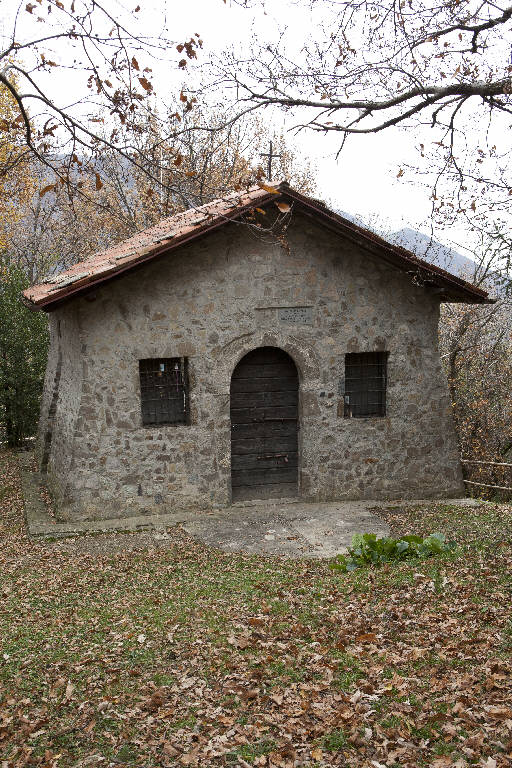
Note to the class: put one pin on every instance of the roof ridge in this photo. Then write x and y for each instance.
(174, 217)
(182, 227)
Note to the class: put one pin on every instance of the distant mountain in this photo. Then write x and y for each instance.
(441, 255)
(424, 247)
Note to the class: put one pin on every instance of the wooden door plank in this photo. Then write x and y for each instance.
(261, 399)
(244, 445)
(268, 429)
(259, 461)
(270, 413)
(262, 492)
(263, 371)
(263, 476)
(264, 422)
(276, 384)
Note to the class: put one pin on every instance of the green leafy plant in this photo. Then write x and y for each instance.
(367, 549)
(23, 352)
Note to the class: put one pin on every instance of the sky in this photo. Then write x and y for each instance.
(362, 181)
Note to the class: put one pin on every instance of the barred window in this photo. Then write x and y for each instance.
(164, 392)
(365, 384)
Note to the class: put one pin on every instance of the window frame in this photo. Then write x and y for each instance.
(357, 364)
(177, 376)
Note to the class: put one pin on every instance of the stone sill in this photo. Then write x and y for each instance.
(359, 419)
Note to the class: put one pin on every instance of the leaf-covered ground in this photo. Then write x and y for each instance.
(128, 650)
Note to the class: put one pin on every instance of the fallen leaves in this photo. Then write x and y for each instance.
(185, 656)
(68, 692)
(499, 713)
(268, 188)
(156, 700)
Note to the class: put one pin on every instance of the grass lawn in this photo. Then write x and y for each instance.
(181, 655)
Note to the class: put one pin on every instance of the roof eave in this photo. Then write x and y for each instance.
(395, 255)
(82, 287)
(452, 288)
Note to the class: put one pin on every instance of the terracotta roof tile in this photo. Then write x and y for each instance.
(169, 233)
(130, 251)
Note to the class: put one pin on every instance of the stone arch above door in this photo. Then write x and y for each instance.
(303, 354)
(264, 418)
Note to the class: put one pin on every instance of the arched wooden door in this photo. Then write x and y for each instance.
(264, 426)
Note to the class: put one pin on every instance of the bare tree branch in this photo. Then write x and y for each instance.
(370, 67)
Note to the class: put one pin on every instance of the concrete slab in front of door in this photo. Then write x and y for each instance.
(289, 528)
(282, 527)
(294, 528)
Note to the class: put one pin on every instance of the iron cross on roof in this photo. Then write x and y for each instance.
(270, 156)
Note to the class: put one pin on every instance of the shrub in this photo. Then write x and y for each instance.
(367, 549)
(23, 351)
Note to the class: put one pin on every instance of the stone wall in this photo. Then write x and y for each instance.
(50, 393)
(61, 404)
(213, 301)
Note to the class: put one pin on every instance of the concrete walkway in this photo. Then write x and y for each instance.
(286, 527)
(289, 528)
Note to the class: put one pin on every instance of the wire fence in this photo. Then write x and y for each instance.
(493, 477)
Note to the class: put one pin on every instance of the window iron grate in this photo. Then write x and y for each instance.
(164, 391)
(365, 384)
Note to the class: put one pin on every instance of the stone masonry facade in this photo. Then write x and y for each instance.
(213, 301)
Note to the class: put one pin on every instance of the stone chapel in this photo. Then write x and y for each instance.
(257, 347)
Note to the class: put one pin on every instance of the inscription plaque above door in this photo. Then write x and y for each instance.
(295, 315)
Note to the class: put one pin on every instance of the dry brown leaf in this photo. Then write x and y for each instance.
(268, 188)
(69, 691)
(146, 84)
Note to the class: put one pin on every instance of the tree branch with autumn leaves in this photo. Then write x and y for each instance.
(110, 95)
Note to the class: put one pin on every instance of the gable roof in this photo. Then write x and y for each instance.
(172, 232)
